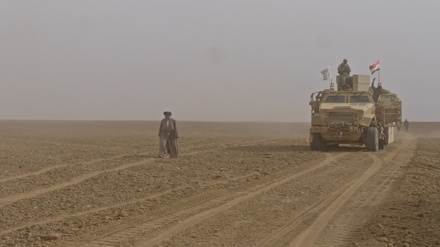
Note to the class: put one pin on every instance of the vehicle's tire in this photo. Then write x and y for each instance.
(315, 144)
(372, 142)
(382, 144)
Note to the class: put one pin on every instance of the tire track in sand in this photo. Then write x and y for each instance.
(117, 205)
(89, 162)
(307, 237)
(75, 180)
(13, 198)
(285, 233)
(163, 228)
(350, 221)
(50, 168)
(310, 236)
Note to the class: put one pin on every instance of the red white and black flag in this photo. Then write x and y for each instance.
(374, 67)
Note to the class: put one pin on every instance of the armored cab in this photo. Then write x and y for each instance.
(357, 113)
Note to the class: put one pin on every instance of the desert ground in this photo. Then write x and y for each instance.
(100, 183)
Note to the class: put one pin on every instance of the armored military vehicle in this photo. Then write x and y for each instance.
(357, 113)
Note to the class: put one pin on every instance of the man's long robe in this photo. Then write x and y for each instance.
(168, 135)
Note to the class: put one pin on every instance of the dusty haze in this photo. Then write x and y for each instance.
(208, 60)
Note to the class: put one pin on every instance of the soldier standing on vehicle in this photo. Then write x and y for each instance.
(168, 135)
(344, 72)
(406, 125)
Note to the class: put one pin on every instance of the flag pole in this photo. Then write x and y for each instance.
(332, 86)
(378, 78)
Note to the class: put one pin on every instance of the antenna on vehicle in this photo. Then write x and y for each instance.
(328, 75)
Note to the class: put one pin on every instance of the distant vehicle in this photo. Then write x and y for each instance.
(360, 115)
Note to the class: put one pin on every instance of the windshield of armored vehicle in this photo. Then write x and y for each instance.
(359, 99)
(335, 99)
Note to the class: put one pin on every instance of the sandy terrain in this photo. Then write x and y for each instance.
(235, 184)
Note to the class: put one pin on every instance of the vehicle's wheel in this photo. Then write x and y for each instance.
(315, 144)
(382, 144)
(372, 139)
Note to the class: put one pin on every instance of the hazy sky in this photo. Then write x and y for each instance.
(255, 60)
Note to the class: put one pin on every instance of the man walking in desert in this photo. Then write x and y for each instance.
(406, 125)
(168, 135)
